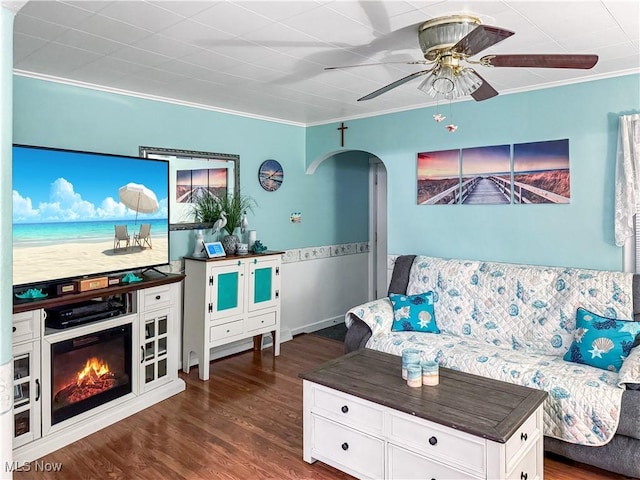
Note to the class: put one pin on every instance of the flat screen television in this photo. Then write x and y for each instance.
(68, 206)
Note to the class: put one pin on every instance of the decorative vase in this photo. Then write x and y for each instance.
(198, 248)
(230, 244)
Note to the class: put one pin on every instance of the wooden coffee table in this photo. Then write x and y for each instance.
(362, 418)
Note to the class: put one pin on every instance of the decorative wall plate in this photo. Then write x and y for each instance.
(270, 175)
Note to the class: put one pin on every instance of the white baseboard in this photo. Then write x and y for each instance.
(312, 327)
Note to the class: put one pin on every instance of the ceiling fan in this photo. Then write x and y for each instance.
(448, 42)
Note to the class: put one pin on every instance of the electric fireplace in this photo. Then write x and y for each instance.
(89, 370)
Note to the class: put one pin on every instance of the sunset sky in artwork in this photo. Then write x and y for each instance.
(552, 155)
(486, 160)
(212, 177)
(442, 164)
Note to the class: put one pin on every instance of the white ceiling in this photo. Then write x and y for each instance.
(267, 58)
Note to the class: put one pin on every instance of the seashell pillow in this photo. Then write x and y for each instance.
(413, 313)
(601, 342)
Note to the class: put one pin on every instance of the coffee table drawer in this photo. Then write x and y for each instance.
(405, 465)
(347, 449)
(347, 409)
(527, 469)
(440, 443)
(526, 435)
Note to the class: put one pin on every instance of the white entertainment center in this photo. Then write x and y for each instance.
(147, 330)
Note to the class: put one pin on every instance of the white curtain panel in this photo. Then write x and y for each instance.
(627, 177)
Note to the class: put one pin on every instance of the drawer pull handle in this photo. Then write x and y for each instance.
(158, 297)
(433, 440)
(523, 437)
(345, 446)
(523, 475)
(14, 329)
(344, 409)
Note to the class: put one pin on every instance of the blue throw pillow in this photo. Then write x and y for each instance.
(601, 342)
(413, 313)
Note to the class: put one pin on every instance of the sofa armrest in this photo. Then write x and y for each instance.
(377, 314)
(358, 334)
(629, 374)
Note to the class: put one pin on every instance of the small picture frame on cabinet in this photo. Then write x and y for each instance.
(214, 249)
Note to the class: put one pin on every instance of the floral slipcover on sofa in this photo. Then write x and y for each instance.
(516, 323)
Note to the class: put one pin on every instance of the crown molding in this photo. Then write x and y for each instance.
(427, 104)
(590, 78)
(14, 6)
(118, 91)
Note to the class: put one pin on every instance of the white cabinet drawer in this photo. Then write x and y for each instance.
(26, 326)
(405, 465)
(261, 321)
(347, 449)
(527, 469)
(526, 435)
(347, 410)
(449, 446)
(224, 331)
(151, 298)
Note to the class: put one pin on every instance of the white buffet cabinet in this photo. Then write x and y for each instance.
(153, 312)
(229, 299)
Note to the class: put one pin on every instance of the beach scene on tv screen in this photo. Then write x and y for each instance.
(78, 214)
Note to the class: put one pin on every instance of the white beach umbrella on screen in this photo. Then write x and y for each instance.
(139, 198)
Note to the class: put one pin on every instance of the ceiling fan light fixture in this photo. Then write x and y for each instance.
(467, 81)
(442, 33)
(445, 81)
(449, 83)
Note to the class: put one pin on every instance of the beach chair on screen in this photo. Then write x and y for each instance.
(143, 237)
(121, 236)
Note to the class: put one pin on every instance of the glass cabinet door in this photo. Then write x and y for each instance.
(26, 393)
(154, 349)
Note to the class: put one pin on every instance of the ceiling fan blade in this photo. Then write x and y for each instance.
(541, 61)
(417, 62)
(485, 91)
(480, 38)
(393, 85)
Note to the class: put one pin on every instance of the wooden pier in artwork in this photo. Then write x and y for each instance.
(491, 190)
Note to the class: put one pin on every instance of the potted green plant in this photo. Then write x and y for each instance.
(234, 205)
(206, 209)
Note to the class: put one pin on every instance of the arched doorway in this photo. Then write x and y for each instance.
(377, 199)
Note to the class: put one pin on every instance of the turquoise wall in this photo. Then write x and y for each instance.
(64, 116)
(578, 234)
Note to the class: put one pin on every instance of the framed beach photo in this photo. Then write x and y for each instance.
(214, 249)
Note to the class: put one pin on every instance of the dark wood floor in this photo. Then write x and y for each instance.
(244, 423)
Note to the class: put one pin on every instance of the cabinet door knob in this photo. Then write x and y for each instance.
(433, 440)
(344, 409)
(14, 329)
(523, 475)
(37, 389)
(158, 297)
(523, 436)
(141, 354)
(345, 446)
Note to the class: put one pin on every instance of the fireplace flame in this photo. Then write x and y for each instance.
(93, 370)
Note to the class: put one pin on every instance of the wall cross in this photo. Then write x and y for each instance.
(342, 128)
